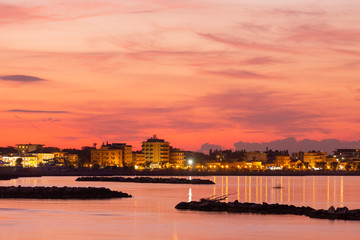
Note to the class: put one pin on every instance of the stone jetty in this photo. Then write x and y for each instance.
(146, 180)
(7, 177)
(60, 193)
(237, 207)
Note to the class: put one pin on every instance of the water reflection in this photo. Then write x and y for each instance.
(151, 213)
(328, 192)
(249, 189)
(289, 189)
(227, 188)
(214, 180)
(304, 190)
(342, 192)
(283, 189)
(238, 189)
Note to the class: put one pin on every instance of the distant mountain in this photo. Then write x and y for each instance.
(291, 144)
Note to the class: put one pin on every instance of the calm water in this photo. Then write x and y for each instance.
(150, 214)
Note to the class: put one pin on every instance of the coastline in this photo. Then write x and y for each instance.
(12, 173)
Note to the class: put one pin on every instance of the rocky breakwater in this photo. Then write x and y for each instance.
(146, 180)
(8, 176)
(60, 193)
(264, 208)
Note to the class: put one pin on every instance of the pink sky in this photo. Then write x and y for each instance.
(73, 73)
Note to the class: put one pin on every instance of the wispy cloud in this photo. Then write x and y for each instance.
(292, 12)
(260, 61)
(21, 78)
(13, 13)
(260, 109)
(240, 74)
(243, 43)
(325, 33)
(35, 111)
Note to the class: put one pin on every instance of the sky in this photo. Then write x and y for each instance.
(74, 73)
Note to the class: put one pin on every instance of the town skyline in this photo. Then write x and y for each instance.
(287, 144)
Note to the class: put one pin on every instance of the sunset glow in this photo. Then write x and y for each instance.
(74, 73)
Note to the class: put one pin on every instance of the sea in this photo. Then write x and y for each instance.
(151, 213)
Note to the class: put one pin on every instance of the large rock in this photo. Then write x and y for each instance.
(331, 210)
(342, 210)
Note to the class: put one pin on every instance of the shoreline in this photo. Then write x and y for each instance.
(12, 173)
(146, 180)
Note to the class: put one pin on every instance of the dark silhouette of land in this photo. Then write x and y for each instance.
(146, 180)
(265, 208)
(60, 193)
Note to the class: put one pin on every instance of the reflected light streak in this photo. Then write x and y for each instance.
(245, 189)
(238, 190)
(260, 189)
(272, 189)
(214, 194)
(175, 235)
(342, 192)
(227, 188)
(222, 186)
(303, 189)
(313, 200)
(190, 195)
(281, 189)
(334, 189)
(266, 188)
(256, 190)
(249, 188)
(328, 192)
(288, 189)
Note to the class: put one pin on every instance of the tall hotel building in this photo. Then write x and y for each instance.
(156, 152)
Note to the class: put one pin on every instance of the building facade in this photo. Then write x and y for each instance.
(177, 158)
(156, 152)
(113, 155)
(27, 148)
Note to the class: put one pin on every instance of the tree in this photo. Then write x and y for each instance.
(348, 166)
(334, 166)
(19, 162)
(320, 165)
(357, 166)
(299, 165)
(306, 164)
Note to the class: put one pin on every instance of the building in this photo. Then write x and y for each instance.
(28, 148)
(27, 161)
(138, 158)
(346, 155)
(43, 156)
(114, 155)
(72, 159)
(177, 158)
(67, 159)
(271, 155)
(315, 159)
(156, 152)
(255, 157)
(282, 161)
